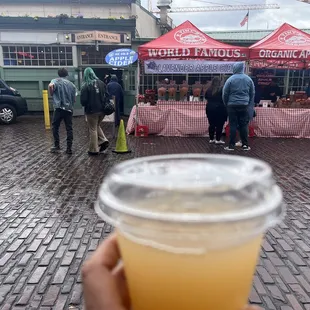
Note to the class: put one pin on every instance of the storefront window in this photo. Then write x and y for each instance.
(132, 80)
(45, 56)
(90, 55)
(298, 79)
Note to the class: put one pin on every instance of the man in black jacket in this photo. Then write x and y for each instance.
(272, 91)
(115, 89)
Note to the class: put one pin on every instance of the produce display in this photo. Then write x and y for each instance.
(297, 99)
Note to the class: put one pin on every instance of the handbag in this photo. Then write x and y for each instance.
(108, 105)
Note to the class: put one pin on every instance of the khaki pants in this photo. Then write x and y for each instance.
(96, 135)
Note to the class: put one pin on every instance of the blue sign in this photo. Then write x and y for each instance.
(121, 58)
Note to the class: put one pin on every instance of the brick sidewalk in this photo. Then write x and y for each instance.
(48, 226)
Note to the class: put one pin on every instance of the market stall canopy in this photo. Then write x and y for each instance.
(286, 47)
(188, 42)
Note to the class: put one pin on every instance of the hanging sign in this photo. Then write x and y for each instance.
(98, 36)
(121, 57)
(166, 66)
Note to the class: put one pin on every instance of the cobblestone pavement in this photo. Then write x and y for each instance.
(48, 226)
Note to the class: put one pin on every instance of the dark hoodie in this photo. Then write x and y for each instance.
(239, 89)
(115, 89)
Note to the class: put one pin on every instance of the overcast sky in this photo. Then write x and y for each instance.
(292, 12)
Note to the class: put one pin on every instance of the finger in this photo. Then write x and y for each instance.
(107, 254)
(100, 286)
(121, 282)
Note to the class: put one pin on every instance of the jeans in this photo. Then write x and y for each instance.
(238, 118)
(96, 135)
(216, 120)
(59, 115)
(117, 112)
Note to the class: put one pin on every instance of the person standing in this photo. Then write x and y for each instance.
(64, 95)
(238, 96)
(272, 91)
(216, 111)
(116, 90)
(93, 97)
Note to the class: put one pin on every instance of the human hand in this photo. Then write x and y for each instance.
(104, 282)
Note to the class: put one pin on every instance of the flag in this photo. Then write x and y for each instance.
(245, 20)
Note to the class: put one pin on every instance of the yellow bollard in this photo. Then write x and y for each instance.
(46, 109)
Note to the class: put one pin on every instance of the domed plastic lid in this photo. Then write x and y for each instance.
(191, 188)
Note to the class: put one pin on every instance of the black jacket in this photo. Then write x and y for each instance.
(272, 89)
(93, 97)
(215, 103)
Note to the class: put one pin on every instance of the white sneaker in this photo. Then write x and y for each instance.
(228, 148)
(212, 141)
(246, 148)
(239, 144)
(219, 142)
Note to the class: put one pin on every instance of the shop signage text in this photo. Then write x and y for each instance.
(196, 52)
(286, 54)
(166, 66)
(98, 36)
(279, 64)
(121, 57)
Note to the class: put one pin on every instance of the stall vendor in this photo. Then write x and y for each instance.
(272, 91)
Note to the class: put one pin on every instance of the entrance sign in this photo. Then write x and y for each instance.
(121, 57)
(108, 37)
(165, 66)
(85, 37)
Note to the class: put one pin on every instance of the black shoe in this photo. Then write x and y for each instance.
(246, 148)
(93, 153)
(104, 146)
(69, 152)
(55, 149)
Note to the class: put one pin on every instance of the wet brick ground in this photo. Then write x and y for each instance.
(48, 226)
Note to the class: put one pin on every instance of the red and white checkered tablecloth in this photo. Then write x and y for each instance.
(169, 118)
(282, 123)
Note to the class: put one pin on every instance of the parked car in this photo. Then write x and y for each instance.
(12, 104)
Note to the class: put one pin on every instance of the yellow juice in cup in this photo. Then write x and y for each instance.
(190, 227)
(215, 280)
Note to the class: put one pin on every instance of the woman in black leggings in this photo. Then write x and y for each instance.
(216, 111)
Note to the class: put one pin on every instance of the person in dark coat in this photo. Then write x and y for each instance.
(115, 89)
(216, 111)
(272, 91)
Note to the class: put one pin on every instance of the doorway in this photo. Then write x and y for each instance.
(104, 74)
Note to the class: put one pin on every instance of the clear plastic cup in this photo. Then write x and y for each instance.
(190, 227)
